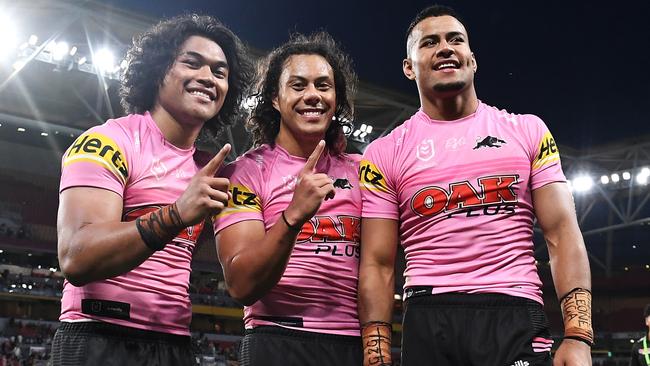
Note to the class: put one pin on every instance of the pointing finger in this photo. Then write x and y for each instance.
(210, 169)
(313, 158)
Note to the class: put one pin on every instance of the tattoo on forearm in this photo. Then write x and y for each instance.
(376, 337)
(576, 312)
(160, 227)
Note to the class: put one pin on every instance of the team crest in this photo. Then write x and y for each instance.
(425, 150)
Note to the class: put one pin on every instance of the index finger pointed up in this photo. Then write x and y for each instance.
(210, 169)
(310, 165)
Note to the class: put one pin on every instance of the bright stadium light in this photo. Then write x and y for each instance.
(8, 38)
(32, 40)
(369, 129)
(582, 183)
(104, 61)
(604, 179)
(615, 178)
(627, 175)
(60, 50)
(642, 177)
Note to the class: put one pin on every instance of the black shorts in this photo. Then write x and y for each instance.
(483, 329)
(94, 343)
(277, 346)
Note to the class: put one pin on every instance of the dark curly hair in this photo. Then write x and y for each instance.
(264, 122)
(154, 52)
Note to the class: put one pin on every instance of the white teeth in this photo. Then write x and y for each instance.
(312, 113)
(201, 94)
(444, 66)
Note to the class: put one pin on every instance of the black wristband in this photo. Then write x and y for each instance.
(294, 228)
(581, 340)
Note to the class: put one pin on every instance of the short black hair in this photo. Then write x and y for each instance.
(154, 52)
(646, 311)
(432, 11)
(264, 122)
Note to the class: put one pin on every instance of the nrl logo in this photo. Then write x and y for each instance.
(425, 150)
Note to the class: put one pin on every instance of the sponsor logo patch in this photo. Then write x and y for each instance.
(547, 152)
(371, 178)
(101, 150)
(432, 200)
(242, 199)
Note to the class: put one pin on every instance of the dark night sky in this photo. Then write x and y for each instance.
(580, 65)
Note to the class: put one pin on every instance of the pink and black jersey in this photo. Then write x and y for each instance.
(130, 156)
(318, 291)
(461, 191)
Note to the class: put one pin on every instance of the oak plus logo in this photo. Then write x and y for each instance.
(492, 195)
(337, 236)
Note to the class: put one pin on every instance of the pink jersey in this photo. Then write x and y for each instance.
(318, 291)
(462, 193)
(131, 157)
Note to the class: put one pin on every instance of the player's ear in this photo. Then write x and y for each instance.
(474, 63)
(275, 103)
(407, 68)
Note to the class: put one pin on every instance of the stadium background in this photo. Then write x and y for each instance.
(578, 67)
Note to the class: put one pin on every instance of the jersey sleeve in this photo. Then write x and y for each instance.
(545, 155)
(378, 193)
(98, 158)
(245, 189)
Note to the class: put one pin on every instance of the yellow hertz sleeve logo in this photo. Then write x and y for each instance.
(101, 150)
(371, 178)
(547, 152)
(242, 200)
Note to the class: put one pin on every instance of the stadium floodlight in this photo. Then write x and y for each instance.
(604, 179)
(363, 135)
(104, 61)
(8, 38)
(32, 40)
(642, 177)
(582, 183)
(73, 51)
(369, 129)
(363, 127)
(82, 60)
(347, 129)
(60, 50)
(615, 178)
(356, 133)
(627, 175)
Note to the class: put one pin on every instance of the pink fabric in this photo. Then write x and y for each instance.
(462, 193)
(319, 285)
(131, 157)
